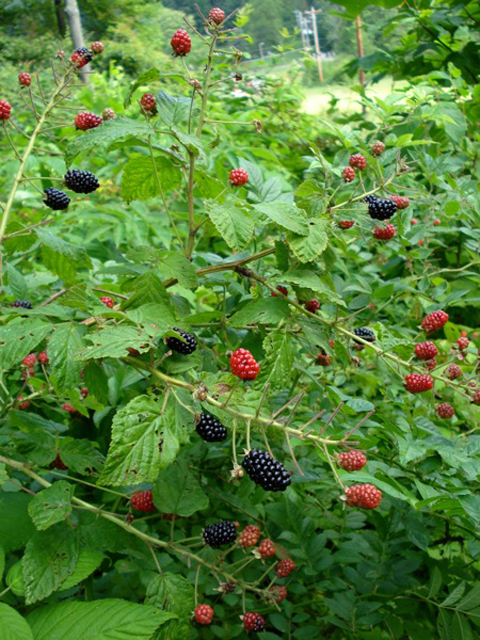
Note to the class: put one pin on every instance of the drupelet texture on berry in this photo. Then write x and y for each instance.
(285, 567)
(402, 202)
(380, 208)
(221, 533)
(238, 177)
(87, 120)
(279, 592)
(107, 301)
(81, 181)
(181, 43)
(108, 114)
(55, 199)
(384, 233)
(312, 305)
(253, 622)
(445, 410)
(476, 397)
(426, 350)
(243, 365)
(249, 536)
(24, 304)
(418, 382)
(351, 460)
(264, 470)
(81, 57)
(282, 290)
(358, 161)
(364, 496)
(431, 364)
(349, 174)
(203, 614)
(346, 224)
(366, 334)
(23, 404)
(454, 372)
(43, 357)
(5, 110)
(463, 343)
(185, 346)
(97, 47)
(378, 148)
(323, 360)
(143, 501)
(30, 360)
(434, 321)
(210, 428)
(148, 102)
(25, 79)
(216, 15)
(266, 548)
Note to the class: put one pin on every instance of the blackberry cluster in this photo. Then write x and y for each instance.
(380, 208)
(366, 334)
(221, 533)
(81, 57)
(55, 199)
(264, 470)
(185, 348)
(81, 181)
(210, 429)
(22, 303)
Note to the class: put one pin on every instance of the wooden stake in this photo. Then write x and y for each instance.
(361, 73)
(313, 13)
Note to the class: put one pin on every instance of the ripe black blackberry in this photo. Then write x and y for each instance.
(221, 533)
(264, 470)
(80, 181)
(210, 429)
(55, 199)
(380, 208)
(180, 346)
(364, 333)
(22, 303)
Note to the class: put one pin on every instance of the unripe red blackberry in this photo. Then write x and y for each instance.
(244, 365)
(312, 305)
(181, 43)
(185, 346)
(413, 221)
(279, 592)
(418, 382)
(23, 404)
(108, 114)
(69, 408)
(97, 47)
(266, 548)
(346, 224)
(265, 471)
(108, 301)
(351, 460)
(437, 221)
(84, 392)
(55, 199)
(378, 148)
(402, 202)
(87, 120)
(253, 622)
(282, 290)
(426, 350)
(30, 360)
(349, 174)
(203, 614)
(148, 102)
(454, 372)
(463, 343)
(58, 464)
(219, 534)
(434, 321)
(285, 567)
(216, 15)
(421, 242)
(5, 110)
(43, 357)
(384, 233)
(238, 177)
(25, 79)
(445, 410)
(358, 161)
(364, 496)
(143, 501)
(249, 536)
(81, 57)
(323, 360)
(476, 397)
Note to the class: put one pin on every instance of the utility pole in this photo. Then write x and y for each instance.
(361, 73)
(313, 14)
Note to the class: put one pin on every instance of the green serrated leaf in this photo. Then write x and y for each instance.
(173, 593)
(88, 562)
(171, 110)
(51, 505)
(287, 216)
(16, 282)
(61, 257)
(64, 344)
(152, 75)
(112, 342)
(176, 265)
(96, 381)
(279, 356)
(435, 582)
(311, 280)
(263, 311)
(142, 179)
(177, 491)
(13, 626)
(232, 223)
(80, 455)
(309, 247)
(147, 288)
(104, 135)
(19, 338)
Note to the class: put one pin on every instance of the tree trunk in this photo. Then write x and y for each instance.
(75, 24)
(60, 13)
